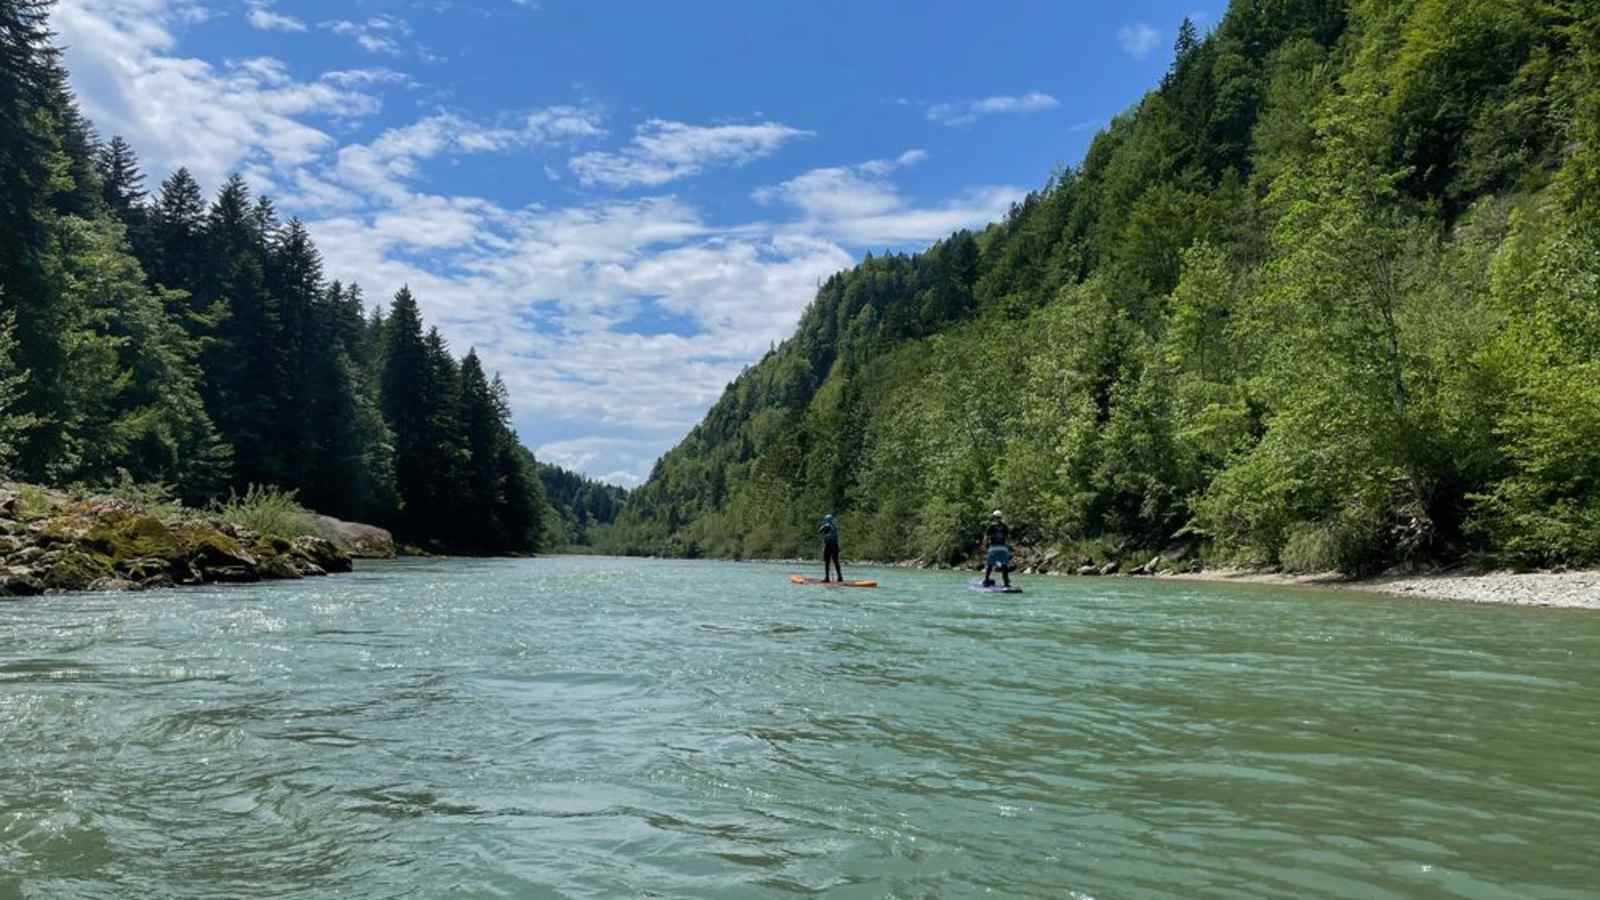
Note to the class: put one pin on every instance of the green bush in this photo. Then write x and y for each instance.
(1350, 544)
(266, 510)
(1310, 549)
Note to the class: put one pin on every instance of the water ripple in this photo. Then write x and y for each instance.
(601, 728)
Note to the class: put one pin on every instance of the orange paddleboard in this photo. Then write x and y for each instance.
(801, 579)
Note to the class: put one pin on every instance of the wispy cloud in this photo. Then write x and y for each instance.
(366, 77)
(381, 166)
(663, 151)
(859, 205)
(1138, 39)
(262, 18)
(965, 113)
(378, 34)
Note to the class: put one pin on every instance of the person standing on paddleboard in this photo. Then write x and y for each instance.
(997, 551)
(830, 546)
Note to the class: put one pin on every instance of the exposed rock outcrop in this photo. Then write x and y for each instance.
(358, 540)
(51, 542)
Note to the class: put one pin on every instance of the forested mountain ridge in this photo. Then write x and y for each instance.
(582, 509)
(161, 338)
(1327, 296)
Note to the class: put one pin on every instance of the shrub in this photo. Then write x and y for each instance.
(266, 510)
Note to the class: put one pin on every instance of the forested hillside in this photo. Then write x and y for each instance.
(582, 510)
(162, 338)
(1329, 295)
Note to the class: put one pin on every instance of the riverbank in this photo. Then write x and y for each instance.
(53, 542)
(1563, 590)
(1559, 590)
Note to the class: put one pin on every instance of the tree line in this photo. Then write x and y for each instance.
(160, 338)
(1327, 296)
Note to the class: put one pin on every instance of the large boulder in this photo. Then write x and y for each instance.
(357, 540)
(209, 555)
(322, 554)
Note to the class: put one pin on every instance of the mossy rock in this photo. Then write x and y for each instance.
(75, 570)
(135, 537)
(201, 540)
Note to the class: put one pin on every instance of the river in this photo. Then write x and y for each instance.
(583, 727)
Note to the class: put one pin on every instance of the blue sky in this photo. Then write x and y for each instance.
(618, 204)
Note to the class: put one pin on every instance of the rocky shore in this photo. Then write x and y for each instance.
(51, 542)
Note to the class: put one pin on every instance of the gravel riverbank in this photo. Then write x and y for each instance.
(1567, 590)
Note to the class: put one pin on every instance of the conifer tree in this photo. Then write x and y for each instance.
(121, 182)
(483, 430)
(175, 246)
(244, 364)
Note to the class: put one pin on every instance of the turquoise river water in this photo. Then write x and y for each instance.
(581, 727)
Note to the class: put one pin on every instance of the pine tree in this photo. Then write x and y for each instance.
(78, 192)
(522, 502)
(303, 353)
(244, 364)
(121, 182)
(30, 162)
(482, 428)
(444, 451)
(405, 371)
(175, 248)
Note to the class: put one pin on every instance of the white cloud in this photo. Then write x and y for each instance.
(615, 322)
(859, 206)
(378, 34)
(1138, 39)
(262, 18)
(183, 111)
(381, 166)
(663, 151)
(582, 454)
(366, 77)
(968, 112)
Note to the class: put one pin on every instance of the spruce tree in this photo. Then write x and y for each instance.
(405, 371)
(302, 354)
(521, 506)
(175, 250)
(444, 451)
(482, 428)
(29, 158)
(244, 364)
(121, 182)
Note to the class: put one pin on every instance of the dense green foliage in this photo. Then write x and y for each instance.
(165, 340)
(1328, 296)
(581, 510)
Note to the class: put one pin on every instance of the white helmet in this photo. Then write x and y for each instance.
(996, 515)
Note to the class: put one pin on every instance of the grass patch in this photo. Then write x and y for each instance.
(266, 510)
(34, 502)
(157, 499)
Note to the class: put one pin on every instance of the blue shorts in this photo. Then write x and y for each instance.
(998, 556)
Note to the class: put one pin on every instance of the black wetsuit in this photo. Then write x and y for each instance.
(830, 549)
